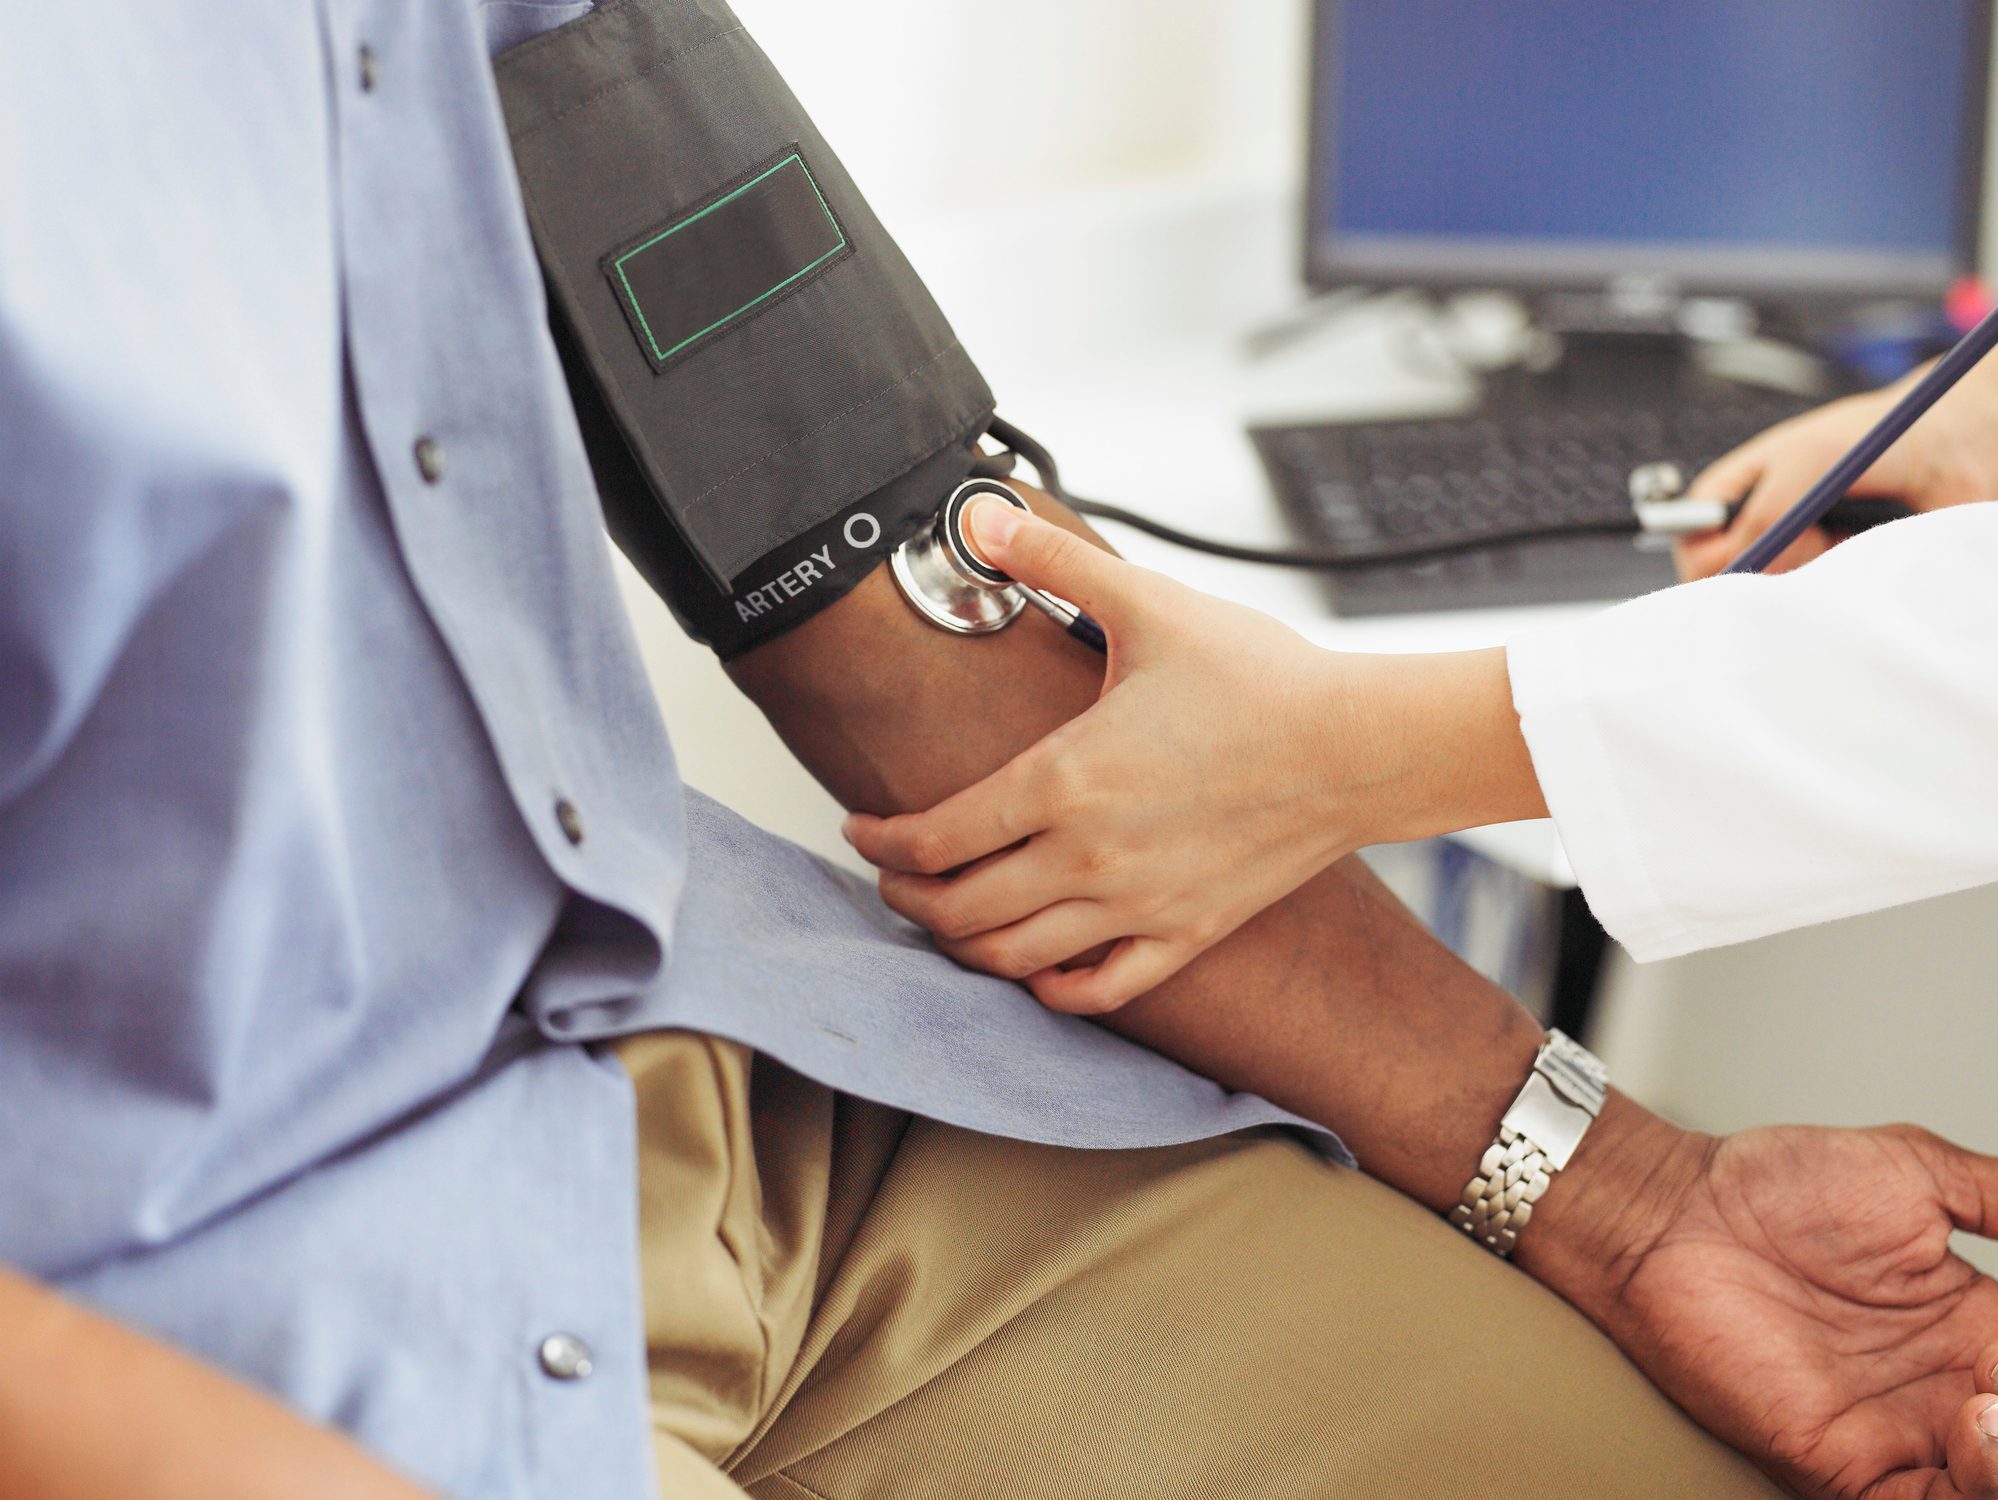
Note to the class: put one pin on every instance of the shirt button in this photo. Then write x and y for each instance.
(565, 1357)
(430, 459)
(570, 819)
(369, 72)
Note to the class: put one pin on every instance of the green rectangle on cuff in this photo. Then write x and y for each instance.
(715, 266)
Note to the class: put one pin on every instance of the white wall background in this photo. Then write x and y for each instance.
(927, 100)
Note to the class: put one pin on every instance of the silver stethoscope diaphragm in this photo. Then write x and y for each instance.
(945, 581)
(954, 588)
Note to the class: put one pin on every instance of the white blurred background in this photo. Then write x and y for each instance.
(928, 99)
(1014, 151)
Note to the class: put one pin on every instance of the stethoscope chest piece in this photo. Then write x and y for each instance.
(945, 581)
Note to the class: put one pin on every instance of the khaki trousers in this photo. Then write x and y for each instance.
(845, 1301)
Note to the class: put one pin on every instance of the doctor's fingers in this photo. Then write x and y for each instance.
(1038, 552)
(1703, 556)
(1057, 934)
(994, 892)
(1774, 470)
(1136, 966)
(1778, 483)
(985, 817)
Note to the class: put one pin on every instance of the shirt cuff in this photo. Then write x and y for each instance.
(1552, 678)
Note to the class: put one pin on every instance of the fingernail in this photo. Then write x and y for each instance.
(992, 523)
(846, 826)
(1991, 1376)
(1987, 1420)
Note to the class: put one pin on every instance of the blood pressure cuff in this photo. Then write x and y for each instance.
(770, 399)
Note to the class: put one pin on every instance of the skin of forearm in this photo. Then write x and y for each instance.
(1443, 748)
(90, 1409)
(1335, 1002)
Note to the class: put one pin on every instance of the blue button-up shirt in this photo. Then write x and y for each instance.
(336, 821)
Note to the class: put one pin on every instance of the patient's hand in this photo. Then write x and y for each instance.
(1795, 1292)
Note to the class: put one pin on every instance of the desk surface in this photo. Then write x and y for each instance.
(1145, 405)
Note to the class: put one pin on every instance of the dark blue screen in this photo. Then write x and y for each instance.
(1834, 125)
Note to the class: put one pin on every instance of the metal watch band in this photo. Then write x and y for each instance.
(1561, 1098)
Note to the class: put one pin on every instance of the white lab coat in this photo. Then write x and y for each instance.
(1738, 756)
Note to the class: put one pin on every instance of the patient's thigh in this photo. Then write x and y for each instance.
(1226, 1319)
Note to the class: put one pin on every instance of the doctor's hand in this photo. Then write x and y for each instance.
(1949, 457)
(1225, 763)
(1793, 1289)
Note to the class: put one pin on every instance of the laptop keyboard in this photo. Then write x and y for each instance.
(1488, 475)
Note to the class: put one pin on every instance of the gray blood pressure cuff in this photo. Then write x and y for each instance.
(771, 400)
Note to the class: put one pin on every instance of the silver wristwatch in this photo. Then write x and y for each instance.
(1562, 1097)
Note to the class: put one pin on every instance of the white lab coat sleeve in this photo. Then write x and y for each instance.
(1743, 755)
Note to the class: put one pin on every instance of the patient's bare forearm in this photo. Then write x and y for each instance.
(1335, 1002)
(89, 1409)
